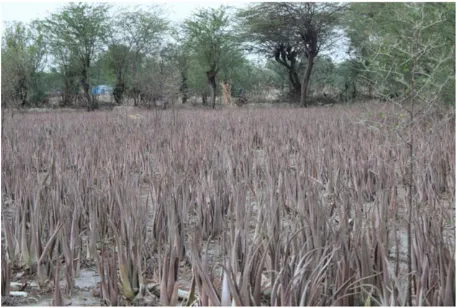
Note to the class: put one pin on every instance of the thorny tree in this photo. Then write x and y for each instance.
(23, 58)
(80, 28)
(135, 35)
(412, 59)
(210, 39)
(287, 31)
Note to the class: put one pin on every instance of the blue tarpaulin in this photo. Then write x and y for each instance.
(101, 90)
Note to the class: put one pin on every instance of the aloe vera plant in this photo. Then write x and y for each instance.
(235, 207)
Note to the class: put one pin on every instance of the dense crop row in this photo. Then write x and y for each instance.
(279, 207)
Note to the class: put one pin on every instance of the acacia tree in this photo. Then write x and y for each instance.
(117, 55)
(160, 80)
(287, 31)
(176, 56)
(357, 21)
(80, 28)
(135, 34)
(264, 32)
(375, 28)
(210, 41)
(23, 57)
(414, 55)
(67, 67)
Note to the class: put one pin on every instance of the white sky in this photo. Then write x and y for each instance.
(177, 11)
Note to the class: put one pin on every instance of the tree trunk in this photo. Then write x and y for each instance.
(296, 86)
(22, 92)
(184, 87)
(294, 78)
(305, 82)
(289, 63)
(212, 86)
(87, 96)
(135, 91)
(67, 93)
(119, 89)
(91, 104)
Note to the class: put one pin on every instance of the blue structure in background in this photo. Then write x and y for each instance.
(101, 90)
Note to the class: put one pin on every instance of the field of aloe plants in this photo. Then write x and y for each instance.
(234, 206)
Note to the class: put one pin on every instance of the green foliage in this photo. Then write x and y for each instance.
(38, 94)
(102, 72)
(175, 58)
(196, 80)
(139, 53)
(391, 39)
(290, 32)
(209, 37)
(23, 57)
(213, 47)
(134, 35)
(81, 28)
(322, 74)
(279, 76)
(76, 35)
(51, 81)
(140, 30)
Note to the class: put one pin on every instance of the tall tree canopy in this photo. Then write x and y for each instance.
(80, 28)
(288, 31)
(134, 35)
(212, 41)
(143, 57)
(23, 57)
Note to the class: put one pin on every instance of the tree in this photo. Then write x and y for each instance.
(347, 76)
(353, 24)
(323, 75)
(375, 29)
(68, 68)
(412, 55)
(135, 34)
(80, 30)
(280, 76)
(197, 85)
(119, 58)
(211, 41)
(101, 72)
(287, 31)
(264, 33)
(160, 80)
(23, 58)
(177, 57)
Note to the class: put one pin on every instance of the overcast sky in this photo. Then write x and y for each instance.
(176, 11)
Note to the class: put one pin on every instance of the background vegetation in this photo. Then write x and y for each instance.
(145, 58)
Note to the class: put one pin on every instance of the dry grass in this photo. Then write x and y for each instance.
(265, 206)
